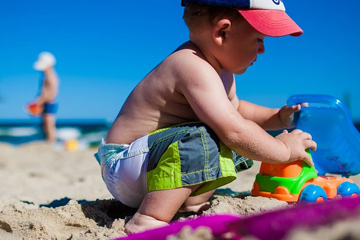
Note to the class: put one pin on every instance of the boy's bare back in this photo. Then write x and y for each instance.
(49, 87)
(158, 101)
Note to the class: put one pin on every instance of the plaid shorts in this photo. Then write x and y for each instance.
(174, 157)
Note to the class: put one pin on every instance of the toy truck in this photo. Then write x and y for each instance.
(299, 182)
(328, 120)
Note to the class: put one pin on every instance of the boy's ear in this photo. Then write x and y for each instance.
(221, 30)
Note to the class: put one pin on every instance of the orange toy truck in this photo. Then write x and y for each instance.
(328, 120)
(298, 181)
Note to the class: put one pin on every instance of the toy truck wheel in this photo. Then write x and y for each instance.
(312, 193)
(348, 189)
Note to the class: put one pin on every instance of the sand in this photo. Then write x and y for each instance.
(54, 194)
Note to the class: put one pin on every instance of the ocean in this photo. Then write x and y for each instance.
(87, 132)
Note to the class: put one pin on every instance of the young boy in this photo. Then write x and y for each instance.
(174, 139)
(48, 92)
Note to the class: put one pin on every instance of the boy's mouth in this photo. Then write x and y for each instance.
(253, 62)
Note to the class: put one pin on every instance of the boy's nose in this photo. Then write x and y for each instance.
(261, 47)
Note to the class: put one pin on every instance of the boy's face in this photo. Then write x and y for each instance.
(242, 44)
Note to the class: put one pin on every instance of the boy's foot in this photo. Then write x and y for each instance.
(140, 223)
(198, 208)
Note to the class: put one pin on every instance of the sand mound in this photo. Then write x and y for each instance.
(51, 194)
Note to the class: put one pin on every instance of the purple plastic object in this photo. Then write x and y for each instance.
(276, 225)
(217, 223)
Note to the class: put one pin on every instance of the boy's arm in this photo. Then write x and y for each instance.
(267, 118)
(205, 92)
(48, 89)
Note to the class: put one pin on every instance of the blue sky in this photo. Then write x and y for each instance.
(104, 48)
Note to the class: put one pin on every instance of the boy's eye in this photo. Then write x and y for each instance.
(260, 40)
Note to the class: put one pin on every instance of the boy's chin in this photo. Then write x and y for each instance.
(239, 72)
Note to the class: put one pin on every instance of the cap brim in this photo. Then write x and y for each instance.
(273, 23)
(39, 66)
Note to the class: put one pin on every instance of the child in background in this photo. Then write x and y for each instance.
(183, 132)
(45, 104)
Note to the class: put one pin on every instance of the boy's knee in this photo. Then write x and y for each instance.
(197, 203)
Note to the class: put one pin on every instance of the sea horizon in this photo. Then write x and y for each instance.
(88, 131)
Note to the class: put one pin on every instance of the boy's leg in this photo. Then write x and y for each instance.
(188, 143)
(49, 127)
(158, 208)
(197, 203)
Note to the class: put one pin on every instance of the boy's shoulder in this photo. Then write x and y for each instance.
(187, 60)
(188, 72)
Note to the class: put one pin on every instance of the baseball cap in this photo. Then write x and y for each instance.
(266, 16)
(44, 61)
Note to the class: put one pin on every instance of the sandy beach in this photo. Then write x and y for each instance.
(54, 194)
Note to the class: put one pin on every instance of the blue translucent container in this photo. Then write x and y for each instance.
(329, 122)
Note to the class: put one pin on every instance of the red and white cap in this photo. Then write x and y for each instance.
(266, 16)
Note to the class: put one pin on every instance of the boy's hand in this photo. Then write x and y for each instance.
(34, 109)
(286, 114)
(297, 142)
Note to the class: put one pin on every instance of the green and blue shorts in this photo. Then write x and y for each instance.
(174, 157)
